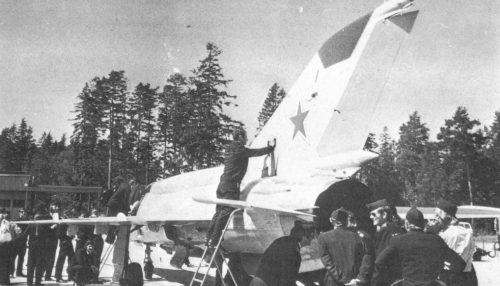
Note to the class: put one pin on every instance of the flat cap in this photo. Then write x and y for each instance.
(447, 207)
(340, 215)
(377, 204)
(415, 217)
(3, 211)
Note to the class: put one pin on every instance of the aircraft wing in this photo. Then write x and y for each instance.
(248, 205)
(118, 220)
(462, 213)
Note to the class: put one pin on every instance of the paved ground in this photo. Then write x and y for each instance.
(487, 269)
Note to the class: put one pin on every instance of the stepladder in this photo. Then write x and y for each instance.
(217, 257)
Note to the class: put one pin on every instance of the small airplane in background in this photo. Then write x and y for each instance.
(320, 127)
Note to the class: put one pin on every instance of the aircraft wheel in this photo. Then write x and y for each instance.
(133, 275)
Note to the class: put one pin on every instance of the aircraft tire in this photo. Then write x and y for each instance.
(133, 275)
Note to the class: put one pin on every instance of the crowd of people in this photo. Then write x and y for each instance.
(80, 247)
(420, 253)
(42, 241)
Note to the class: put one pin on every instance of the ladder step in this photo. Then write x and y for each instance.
(214, 251)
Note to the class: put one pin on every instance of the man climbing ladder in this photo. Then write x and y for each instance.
(235, 166)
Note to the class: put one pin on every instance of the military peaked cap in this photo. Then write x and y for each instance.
(377, 204)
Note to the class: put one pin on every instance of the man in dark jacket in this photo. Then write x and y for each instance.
(65, 248)
(367, 263)
(341, 252)
(84, 232)
(235, 166)
(51, 246)
(118, 203)
(280, 262)
(381, 215)
(19, 247)
(38, 235)
(422, 254)
(83, 266)
(136, 192)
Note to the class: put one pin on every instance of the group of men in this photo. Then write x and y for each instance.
(42, 240)
(407, 256)
(440, 254)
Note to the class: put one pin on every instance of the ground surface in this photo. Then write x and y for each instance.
(487, 269)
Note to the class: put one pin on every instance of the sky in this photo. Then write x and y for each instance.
(49, 49)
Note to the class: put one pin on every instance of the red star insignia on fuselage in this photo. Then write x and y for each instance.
(298, 122)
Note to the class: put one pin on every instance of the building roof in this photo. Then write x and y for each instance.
(64, 189)
(14, 182)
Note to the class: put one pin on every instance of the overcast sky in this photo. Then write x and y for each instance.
(50, 49)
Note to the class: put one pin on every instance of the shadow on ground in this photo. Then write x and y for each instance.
(178, 276)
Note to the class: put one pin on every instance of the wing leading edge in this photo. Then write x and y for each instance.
(463, 212)
(249, 205)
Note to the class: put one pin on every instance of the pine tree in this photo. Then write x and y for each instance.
(208, 133)
(412, 143)
(174, 118)
(273, 100)
(381, 176)
(143, 103)
(370, 144)
(493, 134)
(84, 141)
(459, 146)
(111, 92)
(7, 149)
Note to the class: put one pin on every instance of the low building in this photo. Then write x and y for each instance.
(15, 190)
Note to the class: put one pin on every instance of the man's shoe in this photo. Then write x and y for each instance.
(60, 280)
(48, 279)
(20, 275)
(97, 282)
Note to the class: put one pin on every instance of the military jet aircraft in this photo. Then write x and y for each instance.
(321, 127)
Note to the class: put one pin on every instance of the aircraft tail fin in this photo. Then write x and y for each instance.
(330, 108)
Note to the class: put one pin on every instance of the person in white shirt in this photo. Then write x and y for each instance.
(458, 239)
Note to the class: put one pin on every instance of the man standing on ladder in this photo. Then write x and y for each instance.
(235, 166)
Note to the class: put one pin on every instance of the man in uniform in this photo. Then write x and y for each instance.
(381, 215)
(19, 247)
(281, 261)
(54, 210)
(422, 255)
(38, 235)
(367, 263)
(65, 247)
(118, 203)
(136, 193)
(458, 239)
(235, 166)
(341, 252)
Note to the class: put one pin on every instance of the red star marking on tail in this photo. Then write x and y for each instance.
(298, 122)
